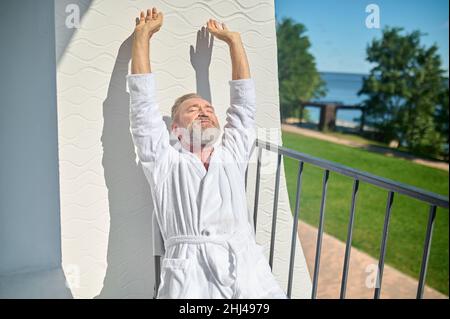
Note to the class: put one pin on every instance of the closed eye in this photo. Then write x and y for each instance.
(196, 107)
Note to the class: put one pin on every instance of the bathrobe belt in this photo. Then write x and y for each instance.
(234, 243)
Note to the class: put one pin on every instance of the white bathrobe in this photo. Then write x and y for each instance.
(209, 242)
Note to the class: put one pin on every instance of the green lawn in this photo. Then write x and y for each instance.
(364, 140)
(356, 138)
(408, 218)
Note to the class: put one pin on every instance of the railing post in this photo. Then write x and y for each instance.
(258, 177)
(426, 251)
(380, 269)
(348, 245)
(275, 210)
(295, 228)
(157, 260)
(319, 234)
(246, 177)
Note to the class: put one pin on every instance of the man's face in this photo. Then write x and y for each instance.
(197, 115)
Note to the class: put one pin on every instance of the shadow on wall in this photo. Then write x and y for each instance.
(130, 271)
(201, 60)
(130, 268)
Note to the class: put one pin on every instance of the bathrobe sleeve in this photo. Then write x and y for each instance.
(240, 129)
(151, 138)
(149, 132)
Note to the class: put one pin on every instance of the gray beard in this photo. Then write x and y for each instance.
(204, 136)
(200, 137)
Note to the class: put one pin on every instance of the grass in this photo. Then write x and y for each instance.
(356, 138)
(364, 140)
(367, 140)
(408, 219)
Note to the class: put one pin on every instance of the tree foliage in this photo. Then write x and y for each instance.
(407, 93)
(298, 77)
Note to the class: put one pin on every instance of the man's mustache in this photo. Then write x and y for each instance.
(203, 118)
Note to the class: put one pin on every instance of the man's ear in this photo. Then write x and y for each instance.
(175, 129)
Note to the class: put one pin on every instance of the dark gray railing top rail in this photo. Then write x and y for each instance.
(423, 195)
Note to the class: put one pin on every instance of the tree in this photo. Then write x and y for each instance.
(442, 119)
(404, 90)
(298, 77)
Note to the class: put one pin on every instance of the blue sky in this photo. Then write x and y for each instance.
(339, 36)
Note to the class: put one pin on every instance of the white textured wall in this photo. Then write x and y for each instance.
(105, 202)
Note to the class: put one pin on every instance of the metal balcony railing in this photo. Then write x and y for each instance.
(434, 200)
(392, 187)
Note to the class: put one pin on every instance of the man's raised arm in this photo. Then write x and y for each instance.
(239, 61)
(146, 27)
(148, 129)
(240, 130)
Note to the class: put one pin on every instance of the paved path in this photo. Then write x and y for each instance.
(372, 148)
(362, 269)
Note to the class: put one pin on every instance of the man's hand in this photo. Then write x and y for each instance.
(239, 62)
(222, 32)
(147, 25)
